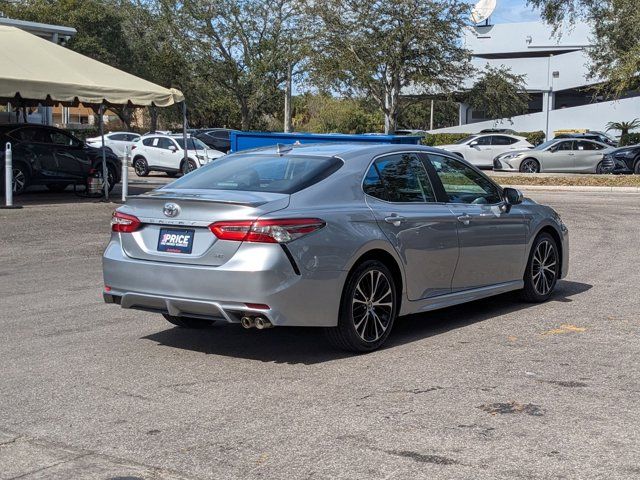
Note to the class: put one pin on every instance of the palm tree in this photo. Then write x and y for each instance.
(624, 127)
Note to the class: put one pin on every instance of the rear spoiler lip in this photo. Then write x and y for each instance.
(197, 198)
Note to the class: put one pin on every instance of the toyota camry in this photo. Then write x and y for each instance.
(345, 237)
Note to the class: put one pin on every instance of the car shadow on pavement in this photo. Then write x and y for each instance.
(297, 345)
(39, 196)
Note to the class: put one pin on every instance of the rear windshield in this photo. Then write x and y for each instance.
(260, 173)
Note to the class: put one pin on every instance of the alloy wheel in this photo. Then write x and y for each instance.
(140, 168)
(530, 166)
(544, 267)
(19, 180)
(372, 305)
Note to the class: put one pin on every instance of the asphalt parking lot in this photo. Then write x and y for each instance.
(496, 389)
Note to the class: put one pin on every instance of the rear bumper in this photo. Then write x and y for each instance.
(257, 274)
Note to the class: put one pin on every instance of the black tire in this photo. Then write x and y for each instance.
(57, 187)
(354, 303)
(111, 176)
(188, 322)
(188, 166)
(140, 166)
(21, 179)
(172, 174)
(636, 169)
(529, 165)
(539, 283)
(599, 169)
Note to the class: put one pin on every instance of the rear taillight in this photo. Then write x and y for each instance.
(266, 231)
(133, 147)
(123, 223)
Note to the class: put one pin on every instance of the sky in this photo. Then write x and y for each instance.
(513, 11)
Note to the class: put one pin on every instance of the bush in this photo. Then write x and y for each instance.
(629, 139)
(435, 139)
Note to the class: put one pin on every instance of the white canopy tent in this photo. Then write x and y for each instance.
(34, 70)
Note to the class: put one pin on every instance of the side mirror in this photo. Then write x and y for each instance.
(173, 148)
(474, 143)
(512, 196)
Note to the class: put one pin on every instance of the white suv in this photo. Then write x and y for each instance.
(165, 153)
(115, 141)
(480, 150)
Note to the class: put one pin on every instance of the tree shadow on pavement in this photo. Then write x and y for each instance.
(297, 345)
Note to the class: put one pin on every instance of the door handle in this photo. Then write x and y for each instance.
(464, 219)
(395, 220)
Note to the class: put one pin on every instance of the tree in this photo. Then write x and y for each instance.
(624, 127)
(416, 113)
(376, 48)
(248, 44)
(615, 55)
(499, 93)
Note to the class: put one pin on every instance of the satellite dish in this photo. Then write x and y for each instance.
(482, 11)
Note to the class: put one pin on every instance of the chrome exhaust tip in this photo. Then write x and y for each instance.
(262, 323)
(247, 322)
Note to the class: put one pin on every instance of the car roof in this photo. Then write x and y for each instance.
(338, 149)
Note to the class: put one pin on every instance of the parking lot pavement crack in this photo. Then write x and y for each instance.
(423, 458)
(55, 464)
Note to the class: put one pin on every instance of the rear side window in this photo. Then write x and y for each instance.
(399, 178)
(503, 140)
(260, 173)
(148, 142)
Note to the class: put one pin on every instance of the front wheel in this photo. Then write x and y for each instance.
(141, 167)
(636, 170)
(543, 269)
(20, 179)
(530, 165)
(600, 169)
(188, 166)
(188, 322)
(368, 309)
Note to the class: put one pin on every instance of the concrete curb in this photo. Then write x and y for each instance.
(573, 188)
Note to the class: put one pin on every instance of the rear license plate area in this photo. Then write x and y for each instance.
(173, 240)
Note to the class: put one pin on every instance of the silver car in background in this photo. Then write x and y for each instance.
(559, 156)
(340, 236)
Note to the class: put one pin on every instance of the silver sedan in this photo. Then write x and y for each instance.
(560, 155)
(345, 237)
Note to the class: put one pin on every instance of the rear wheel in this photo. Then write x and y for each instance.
(368, 309)
(188, 322)
(600, 170)
(530, 165)
(542, 271)
(140, 166)
(21, 179)
(111, 176)
(636, 170)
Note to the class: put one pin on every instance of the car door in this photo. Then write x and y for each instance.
(491, 237)
(34, 147)
(559, 158)
(172, 154)
(71, 156)
(480, 151)
(422, 231)
(153, 153)
(587, 155)
(502, 144)
(117, 142)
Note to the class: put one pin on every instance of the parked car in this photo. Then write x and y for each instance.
(499, 130)
(480, 150)
(558, 155)
(157, 132)
(625, 159)
(340, 236)
(421, 133)
(596, 136)
(52, 157)
(165, 153)
(216, 138)
(115, 141)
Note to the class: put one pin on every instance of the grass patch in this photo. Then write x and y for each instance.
(578, 181)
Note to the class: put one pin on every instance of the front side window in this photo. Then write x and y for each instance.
(484, 141)
(59, 138)
(166, 143)
(119, 137)
(563, 146)
(260, 173)
(463, 184)
(399, 178)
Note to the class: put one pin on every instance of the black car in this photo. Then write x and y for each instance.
(597, 136)
(52, 157)
(499, 130)
(625, 159)
(217, 138)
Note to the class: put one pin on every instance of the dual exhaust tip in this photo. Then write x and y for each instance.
(257, 322)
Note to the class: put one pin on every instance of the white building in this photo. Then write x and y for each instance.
(556, 70)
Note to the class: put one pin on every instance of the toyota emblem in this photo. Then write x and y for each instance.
(171, 210)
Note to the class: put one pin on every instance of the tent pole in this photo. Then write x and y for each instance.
(104, 154)
(184, 134)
